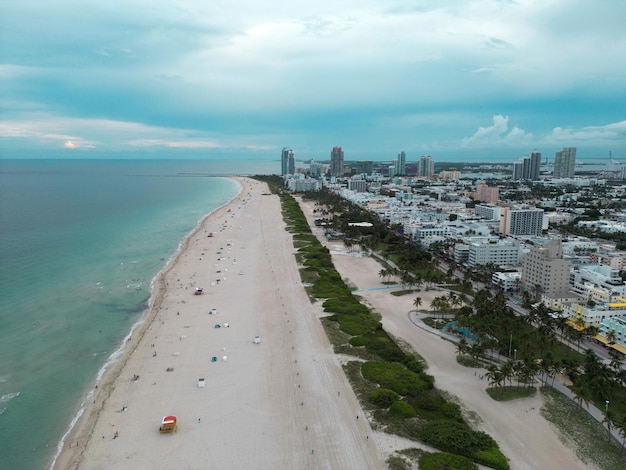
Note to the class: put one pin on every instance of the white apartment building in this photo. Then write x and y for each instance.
(498, 252)
(357, 185)
(507, 281)
(594, 316)
(521, 221)
(487, 211)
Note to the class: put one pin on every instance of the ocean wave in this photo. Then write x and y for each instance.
(9, 396)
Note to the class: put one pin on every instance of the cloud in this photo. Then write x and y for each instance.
(609, 132)
(78, 145)
(194, 74)
(497, 134)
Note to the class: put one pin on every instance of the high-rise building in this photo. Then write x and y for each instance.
(565, 163)
(527, 168)
(336, 162)
(292, 163)
(287, 162)
(315, 169)
(426, 167)
(544, 268)
(521, 221)
(535, 166)
(401, 164)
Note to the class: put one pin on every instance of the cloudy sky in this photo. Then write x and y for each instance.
(455, 79)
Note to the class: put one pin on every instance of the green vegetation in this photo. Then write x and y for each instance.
(581, 432)
(430, 461)
(410, 405)
(396, 377)
(510, 393)
(383, 397)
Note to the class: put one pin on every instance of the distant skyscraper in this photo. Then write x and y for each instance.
(401, 164)
(535, 165)
(527, 168)
(426, 167)
(336, 162)
(292, 163)
(315, 169)
(565, 163)
(287, 162)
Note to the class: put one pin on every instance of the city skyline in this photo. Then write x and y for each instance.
(460, 81)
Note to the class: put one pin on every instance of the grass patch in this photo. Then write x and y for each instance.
(510, 393)
(400, 293)
(335, 335)
(443, 461)
(579, 431)
(308, 276)
(467, 361)
(433, 322)
(395, 462)
(361, 386)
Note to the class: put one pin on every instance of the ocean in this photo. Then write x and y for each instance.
(80, 243)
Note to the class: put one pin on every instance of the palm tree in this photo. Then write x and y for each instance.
(462, 346)
(417, 302)
(609, 419)
(582, 393)
(508, 372)
(561, 323)
(495, 376)
(611, 336)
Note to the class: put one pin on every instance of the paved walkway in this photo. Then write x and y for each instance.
(417, 318)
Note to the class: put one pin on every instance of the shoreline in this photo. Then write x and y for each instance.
(283, 403)
(82, 424)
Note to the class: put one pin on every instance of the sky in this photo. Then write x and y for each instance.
(459, 80)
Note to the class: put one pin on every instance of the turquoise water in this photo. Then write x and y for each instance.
(80, 243)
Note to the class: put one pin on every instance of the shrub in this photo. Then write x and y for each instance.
(386, 349)
(357, 341)
(356, 325)
(442, 461)
(383, 397)
(493, 458)
(402, 409)
(452, 411)
(456, 437)
(413, 364)
(395, 377)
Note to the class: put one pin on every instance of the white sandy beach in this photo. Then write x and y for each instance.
(284, 403)
(280, 404)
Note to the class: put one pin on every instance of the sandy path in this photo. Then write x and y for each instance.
(281, 404)
(525, 437)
